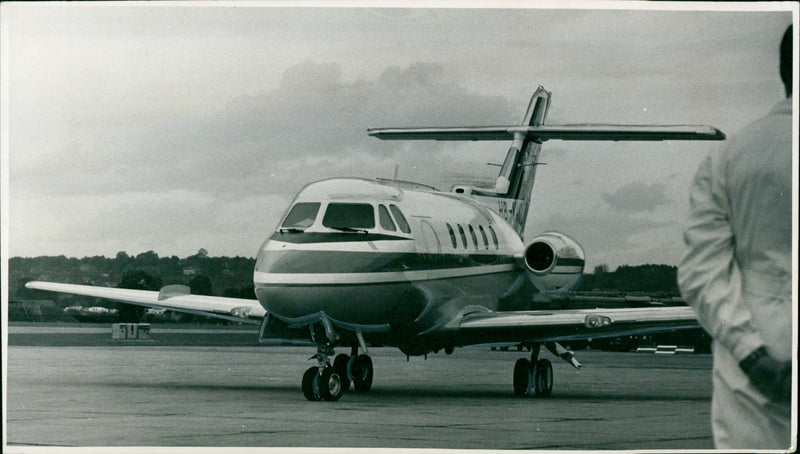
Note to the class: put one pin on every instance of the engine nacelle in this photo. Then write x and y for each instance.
(553, 262)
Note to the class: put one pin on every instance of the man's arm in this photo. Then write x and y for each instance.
(711, 282)
(709, 276)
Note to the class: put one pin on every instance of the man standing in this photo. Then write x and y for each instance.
(737, 275)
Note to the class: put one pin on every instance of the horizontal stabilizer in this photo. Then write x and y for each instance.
(554, 132)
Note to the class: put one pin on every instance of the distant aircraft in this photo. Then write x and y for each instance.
(92, 314)
(358, 262)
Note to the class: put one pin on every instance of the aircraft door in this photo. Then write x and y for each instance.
(428, 241)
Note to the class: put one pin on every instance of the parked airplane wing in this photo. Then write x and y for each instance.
(172, 297)
(483, 326)
(554, 132)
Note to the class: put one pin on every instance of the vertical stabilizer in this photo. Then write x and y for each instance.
(515, 181)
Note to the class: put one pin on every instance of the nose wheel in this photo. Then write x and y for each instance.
(322, 385)
(327, 381)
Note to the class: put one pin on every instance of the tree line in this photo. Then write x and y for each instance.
(204, 275)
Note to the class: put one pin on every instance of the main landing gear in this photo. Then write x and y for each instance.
(534, 376)
(327, 381)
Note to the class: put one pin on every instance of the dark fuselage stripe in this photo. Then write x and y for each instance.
(333, 237)
(387, 282)
(330, 262)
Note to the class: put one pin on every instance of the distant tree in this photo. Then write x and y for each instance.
(148, 258)
(640, 278)
(121, 263)
(201, 285)
(599, 269)
(136, 280)
(246, 292)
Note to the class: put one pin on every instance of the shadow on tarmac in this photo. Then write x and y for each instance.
(387, 395)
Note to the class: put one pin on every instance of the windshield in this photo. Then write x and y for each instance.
(349, 216)
(301, 216)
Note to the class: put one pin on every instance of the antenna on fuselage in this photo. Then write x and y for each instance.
(396, 168)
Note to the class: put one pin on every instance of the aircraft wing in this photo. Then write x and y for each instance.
(483, 326)
(172, 297)
(554, 132)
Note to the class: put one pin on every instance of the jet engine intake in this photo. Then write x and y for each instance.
(553, 262)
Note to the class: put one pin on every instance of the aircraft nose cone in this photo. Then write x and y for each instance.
(362, 288)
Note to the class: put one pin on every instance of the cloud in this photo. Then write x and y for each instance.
(637, 197)
(615, 239)
(314, 112)
(126, 177)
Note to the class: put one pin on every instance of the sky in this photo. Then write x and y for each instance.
(174, 127)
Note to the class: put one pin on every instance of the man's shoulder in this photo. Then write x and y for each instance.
(778, 122)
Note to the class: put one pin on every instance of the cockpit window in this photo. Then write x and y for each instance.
(385, 219)
(349, 216)
(301, 216)
(401, 220)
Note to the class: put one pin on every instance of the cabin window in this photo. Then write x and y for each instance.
(301, 216)
(483, 235)
(349, 216)
(474, 238)
(494, 237)
(385, 219)
(401, 220)
(463, 236)
(452, 236)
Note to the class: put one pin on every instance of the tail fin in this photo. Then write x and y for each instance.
(514, 184)
(515, 181)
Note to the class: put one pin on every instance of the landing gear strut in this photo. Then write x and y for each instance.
(534, 376)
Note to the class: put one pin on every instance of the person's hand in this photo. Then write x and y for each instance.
(771, 377)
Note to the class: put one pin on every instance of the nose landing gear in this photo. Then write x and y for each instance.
(323, 381)
(327, 381)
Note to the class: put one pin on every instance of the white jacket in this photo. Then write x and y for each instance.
(737, 273)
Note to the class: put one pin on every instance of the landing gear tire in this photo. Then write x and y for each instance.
(543, 378)
(522, 377)
(340, 365)
(330, 384)
(360, 368)
(311, 384)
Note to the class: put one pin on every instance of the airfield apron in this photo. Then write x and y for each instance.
(736, 273)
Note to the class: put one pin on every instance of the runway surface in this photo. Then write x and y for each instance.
(149, 394)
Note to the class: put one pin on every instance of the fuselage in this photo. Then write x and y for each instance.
(374, 256)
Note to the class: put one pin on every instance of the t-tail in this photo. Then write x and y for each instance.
(515, 181)
(514, 185)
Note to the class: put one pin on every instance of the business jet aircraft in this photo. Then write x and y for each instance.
(358, 262)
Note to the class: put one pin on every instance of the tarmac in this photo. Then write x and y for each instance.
(169, 392)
